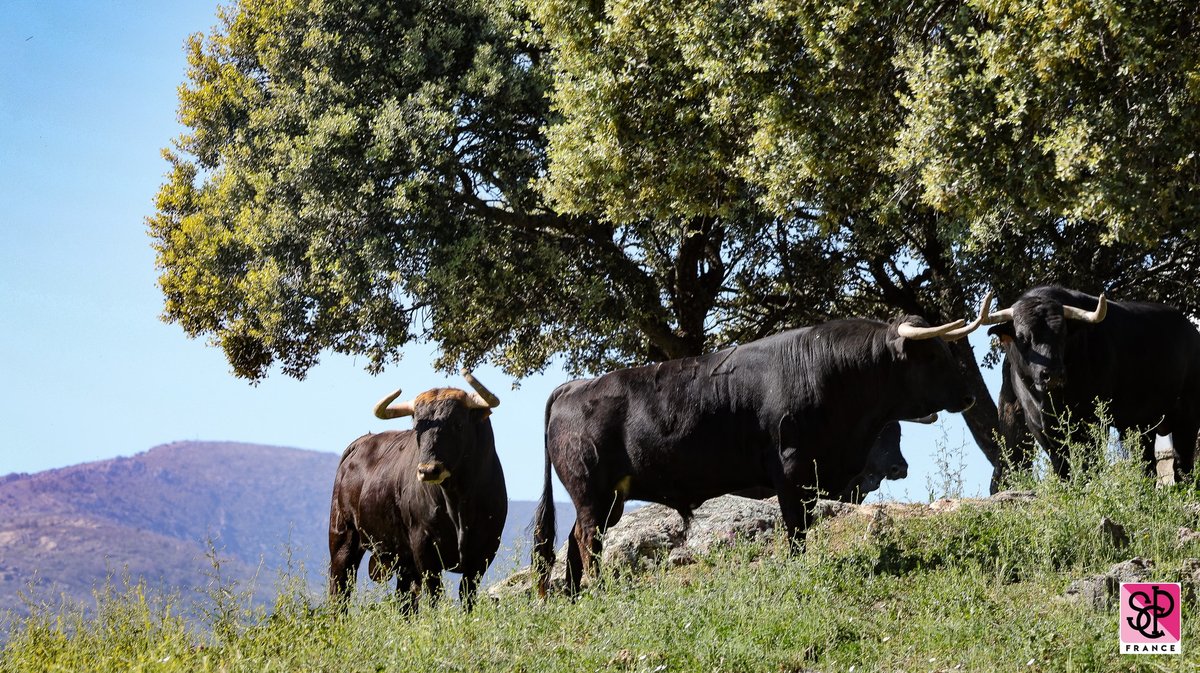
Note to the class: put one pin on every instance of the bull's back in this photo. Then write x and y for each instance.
(680, 402)
(1156, 352)
(1141, 358)
(373, 456)
(681, 430)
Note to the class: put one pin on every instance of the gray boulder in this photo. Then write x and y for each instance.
(1187, 536)
(1101, 591)
(654, 534)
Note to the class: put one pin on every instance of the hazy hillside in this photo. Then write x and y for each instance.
(63, 530)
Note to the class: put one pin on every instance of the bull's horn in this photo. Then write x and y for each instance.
(954, 335)
(482, 398)
(931, 418)
(1003, 315)
(399, 410)
(1072, 313)
(917, 333)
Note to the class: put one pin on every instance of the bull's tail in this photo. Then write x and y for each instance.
(543, 521)
(543, 536)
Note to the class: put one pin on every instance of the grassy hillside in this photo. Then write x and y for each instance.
(970, 586)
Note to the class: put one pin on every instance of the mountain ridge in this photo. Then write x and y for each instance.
(163, 514)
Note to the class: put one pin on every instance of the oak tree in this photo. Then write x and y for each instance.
(623, 181)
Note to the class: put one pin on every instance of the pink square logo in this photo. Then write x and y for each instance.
(1150, 622)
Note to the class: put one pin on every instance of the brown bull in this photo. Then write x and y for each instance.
(423, 500)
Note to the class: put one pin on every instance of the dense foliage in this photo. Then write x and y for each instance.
(627, 181)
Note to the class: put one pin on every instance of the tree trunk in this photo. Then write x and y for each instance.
(982, 418)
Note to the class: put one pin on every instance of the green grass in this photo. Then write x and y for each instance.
(978, 589)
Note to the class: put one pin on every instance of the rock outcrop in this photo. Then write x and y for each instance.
(653, 534)
(1102, 591)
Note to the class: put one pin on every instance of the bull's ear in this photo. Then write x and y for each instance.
(480, 415)
(1004, 331)
(897, 344)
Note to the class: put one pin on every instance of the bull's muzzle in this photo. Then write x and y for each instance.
(432, 473)
(1047, 379)
(897, 471)
(964, 404)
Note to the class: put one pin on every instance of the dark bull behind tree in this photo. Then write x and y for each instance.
(884, 461)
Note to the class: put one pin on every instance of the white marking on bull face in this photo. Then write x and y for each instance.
(432, 473)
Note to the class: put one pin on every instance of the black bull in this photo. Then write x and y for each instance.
(884, 461)
(1066, 350)
(423, 500)
(796, 412)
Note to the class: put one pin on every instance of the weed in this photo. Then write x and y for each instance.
(950, 460)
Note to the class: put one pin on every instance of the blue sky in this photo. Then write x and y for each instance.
(87, 370)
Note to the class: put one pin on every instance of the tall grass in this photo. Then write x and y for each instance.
(978, 589)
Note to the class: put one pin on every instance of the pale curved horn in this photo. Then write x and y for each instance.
(918, 333)
(1003, 315)
(482, 398)
(955, 335)
(931, 418)
(400, 410)
(1072, 313)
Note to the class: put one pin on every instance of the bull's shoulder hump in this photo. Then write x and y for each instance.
(372, 444)
(355, 447)
(564, 388)
(1150, 309)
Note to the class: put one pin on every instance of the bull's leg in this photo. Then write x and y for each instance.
(1053, 442)
(1072, 444)
(1060, 463)
(1017, 452)
(407, 588)
(1060, 442)
(1184, 437)
(1090, 455)
(584, 544)
(574, 561)
(795, 477)
(589, 549)
(345, 555)
(796, 507)
(590, 526)
(1058, 450)
(468, 587)
(1145, 448)
(1018, 458)
(433, 586)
